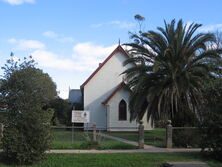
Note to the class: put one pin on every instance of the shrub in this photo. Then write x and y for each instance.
(212, 134)
(160, 124)
(26, 141)
(211, 126)
(186, 137)
(26, 90)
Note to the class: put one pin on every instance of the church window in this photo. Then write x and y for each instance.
(122, 110)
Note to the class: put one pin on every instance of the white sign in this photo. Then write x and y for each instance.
(80, 116)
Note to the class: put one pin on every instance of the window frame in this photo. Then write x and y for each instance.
(122, 110)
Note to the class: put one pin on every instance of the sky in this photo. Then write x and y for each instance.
(69, 38)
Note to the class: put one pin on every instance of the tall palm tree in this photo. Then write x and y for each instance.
(171, 68)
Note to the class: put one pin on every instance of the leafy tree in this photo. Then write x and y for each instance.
(211, 124)
(140, 19)
(26, 90)
(62, 112)
(172, 66)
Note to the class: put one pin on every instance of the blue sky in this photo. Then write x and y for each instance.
(69, 38)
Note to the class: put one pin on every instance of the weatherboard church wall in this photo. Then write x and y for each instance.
(113, 115)
(101, 86)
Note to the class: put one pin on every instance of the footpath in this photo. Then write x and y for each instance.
(125, 141)
(150, 150)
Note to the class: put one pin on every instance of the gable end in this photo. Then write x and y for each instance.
(118, 49)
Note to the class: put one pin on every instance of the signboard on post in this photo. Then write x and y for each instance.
(80, 116)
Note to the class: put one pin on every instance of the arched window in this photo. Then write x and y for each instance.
(122, 110)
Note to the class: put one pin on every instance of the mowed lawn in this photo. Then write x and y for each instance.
(65, 139)
(156, 137)
(119, 160)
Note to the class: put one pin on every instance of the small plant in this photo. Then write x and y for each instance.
(99, 138)
(90, 143)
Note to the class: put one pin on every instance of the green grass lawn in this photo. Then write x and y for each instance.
(119, 160)
(154, 137)
(62, 139)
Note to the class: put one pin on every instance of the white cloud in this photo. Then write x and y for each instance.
(50, 34)
(211, 28)
(49, 59)
(30, 44)
(12, 40)
(89, 55)
(85, 57)
(24, 44)
(119, 24)
(90, 49)
(65, 39)
(18, 2)
(57, 37)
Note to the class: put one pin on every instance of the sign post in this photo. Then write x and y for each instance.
(72, 132)
(79, 116)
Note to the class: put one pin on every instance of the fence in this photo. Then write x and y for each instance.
(155, 137)
(74, 137)
(92, 136)
(182, 136)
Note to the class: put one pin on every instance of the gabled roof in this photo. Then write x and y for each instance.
(117, 89)
(75, 96)
(118, 49)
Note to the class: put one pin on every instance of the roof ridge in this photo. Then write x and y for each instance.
(118, 49)
(118, 87)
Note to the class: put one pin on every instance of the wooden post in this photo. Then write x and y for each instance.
(141, 135)
(169, 135)
(94, 132)
(1, 131)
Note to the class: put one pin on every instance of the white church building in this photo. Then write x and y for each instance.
(106, 97)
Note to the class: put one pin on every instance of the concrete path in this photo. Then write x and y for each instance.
(125, 141)
(150, 150)
(153, 150)
(188, 164)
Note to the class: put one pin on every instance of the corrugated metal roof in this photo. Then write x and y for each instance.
(75, 96)
(119, 87)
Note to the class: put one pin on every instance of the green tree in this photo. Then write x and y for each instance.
(26, 90)
(171, 67)
(211, 124)
(62, 114)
